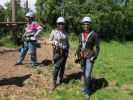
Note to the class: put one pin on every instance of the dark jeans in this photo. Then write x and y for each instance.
(59, 65)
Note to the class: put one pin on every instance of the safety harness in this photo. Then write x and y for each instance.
(84, 40)
(31, 30)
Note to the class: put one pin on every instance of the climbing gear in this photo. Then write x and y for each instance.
(28, 37)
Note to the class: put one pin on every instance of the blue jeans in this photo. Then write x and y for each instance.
(87, 75)
(23, 52)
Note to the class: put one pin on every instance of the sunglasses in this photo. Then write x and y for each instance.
(60, 23)
(86, 23)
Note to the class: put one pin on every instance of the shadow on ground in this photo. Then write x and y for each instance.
(46, 62)
(96, 84)
(73, 76)
(18, 81)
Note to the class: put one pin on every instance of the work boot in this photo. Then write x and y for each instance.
(87, 97)
(88, 93)
(34, 65)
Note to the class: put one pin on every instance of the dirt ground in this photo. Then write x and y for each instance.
(15, 81)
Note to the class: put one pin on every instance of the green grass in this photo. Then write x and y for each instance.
(114, 64)
(7, 42)
(7, 98)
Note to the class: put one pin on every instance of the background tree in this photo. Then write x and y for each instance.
(20, 17)
(20, 11)
(110, 21)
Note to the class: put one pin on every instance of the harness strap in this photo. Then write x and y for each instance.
(84, 41)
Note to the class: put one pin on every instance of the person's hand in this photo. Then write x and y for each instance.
(92, 59)
(54, 43)
(33, 38)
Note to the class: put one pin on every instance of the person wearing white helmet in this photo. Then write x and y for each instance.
(30, 14)
(60, 20)
(59, 40)
(30, 39)
(87, 52)
(86, 20)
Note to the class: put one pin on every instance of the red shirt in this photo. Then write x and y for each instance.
(85, 34)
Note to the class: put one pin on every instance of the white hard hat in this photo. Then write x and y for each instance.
(87, 20)
(60, 20)
(29, 14)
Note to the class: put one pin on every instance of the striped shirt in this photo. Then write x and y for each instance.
(59, 39)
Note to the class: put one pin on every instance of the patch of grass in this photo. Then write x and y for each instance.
(114, 63)
(130, 92)
(69, 66)
(7, 42)
(7, 97)
(110, 94)
(70, 91)
(39, 71)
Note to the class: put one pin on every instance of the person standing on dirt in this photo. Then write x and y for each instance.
(59, 40)
(87, 52)
(29, 39)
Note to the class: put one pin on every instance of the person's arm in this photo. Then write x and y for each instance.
(78, 49)
(38, 28)
(38, 31)
(51, 38)
(96, 49)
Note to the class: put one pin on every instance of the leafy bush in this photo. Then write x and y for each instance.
(110, 20)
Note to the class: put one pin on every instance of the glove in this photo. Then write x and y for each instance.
(92, 59)
(33, 38)
(55, 43)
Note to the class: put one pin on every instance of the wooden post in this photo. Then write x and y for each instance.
(26, 6)
(13, 10)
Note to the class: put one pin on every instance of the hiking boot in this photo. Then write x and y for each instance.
(88, 91)
(34, 65)
(87, 97)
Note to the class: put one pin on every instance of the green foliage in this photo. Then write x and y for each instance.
(20, 17)
(2, 13)
(109, 20)
(6, 41)
(20, 12)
